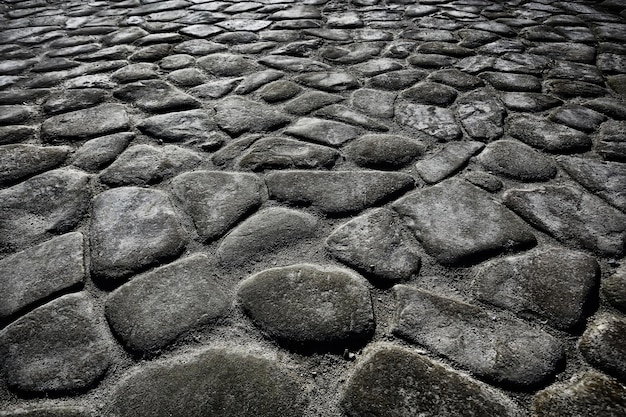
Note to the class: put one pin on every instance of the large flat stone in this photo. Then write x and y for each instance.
(541, 133)
(458, 222)
(155, 95)
(86, 123)
(384, 151)
(310, 307)
(452, 157)
(326, 132)
(336, 191)
(191, 125)
(20, 161)
(97, 153)
(237, 115)
(432, 120)
(494, 346)
(481, 114)
(514, 159)
(281, 153)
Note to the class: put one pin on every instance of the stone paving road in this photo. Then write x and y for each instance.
(312, 208)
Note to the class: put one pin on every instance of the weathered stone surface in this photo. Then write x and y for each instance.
(265, 232)
(614, 287)
(551, 283)
(329, 81)
(394, 381)
(217, 200)
(20, 161)
(378, 245)
(311, 100)
(53, 202)
(447, 161)
(145, 164)
(309, 307)
(496, 347)
(136, 72)
(36, 273)
(132, 228)
(66, 333)
(14, 134)
(529, 102)
(572, 215)
(48, 411)
(213, 382)
(258, 79)
(336, 191)
(428, 92)
(279, 91)
(98, 152)
(227, 65)
(81, 124)
(457, 222)
(295, 64)
(237, 115)
(517, 160)
(384, 151)
(602, 344)
(68, 100)
(588, 394)
(512, 82)
(605, 179)
(13, 114)
(323, 131)
(374, 102)
(179, 126)
(436, 121)
(347, 115)
(155, 95)
(611, 142)
(156, 308)
(578, 117)
(396, 80)
(544, 134)
(481, 114)
(281, 153)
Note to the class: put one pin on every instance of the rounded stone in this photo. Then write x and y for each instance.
(516, 160)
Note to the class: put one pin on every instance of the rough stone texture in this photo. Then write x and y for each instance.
(436, 121)
(612, 141)
(20, 161)
(132, 228)
(614, 287)
(602, 344)
(97, 153)
(384, 151)
(516, 160)
(81, 124)
(552, 283)
(457, 222)
(236, 115)
(309, 307)
(543, 134)
(326, 132)
(572, 215)
(154, 309)
(493, 346)
(216, 200)
(282, 153)
(155, 95)
(447, 161)
(192, 125)
(394, 381)
(337, 191)
(49, 411)
(374, 102)
(481, 114)
(67, 333)
(213, 382)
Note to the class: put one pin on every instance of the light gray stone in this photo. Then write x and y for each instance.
(452, 157)
(384, 151)
(481, 114)
(81, 124)
(326, 132)
(191, 125)
(514, 159)
(237, 115)
(281, 153)
(20, 161)
(155, 95)
(97, 153)
(436, 121)
(541, 133)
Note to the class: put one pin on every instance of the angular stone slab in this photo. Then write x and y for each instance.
(552, 283)
(589, 394)
(481, 114)
(39, 272)
(20, 161)
(384, 151)
(309, 307)
(52, 202)
(436, 121)
(491, 345)
(66, 333)
(132, 228)
(191, 125)
(237, 115)
(155, 95)
(451, 158)
(282, 153)
(541, 133)
(458, 222)
(394, 381)
(336, 191)
(514, 159)
(216, 200)
(378, 245)
(82, 124)
(602, 344)
(265, 232)
(326, 132)
(572, 215)
(214, 382)
(156, 308)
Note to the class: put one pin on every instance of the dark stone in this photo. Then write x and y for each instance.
(396, 80)
(576, 52)
(310, 101)
(614, 288)
(227, 65)
(578, 117)
(457, 79)
(155, 95)
(49, 411)
(436, 121)
(237, 115)
(602, 344)
(512, 82)
(447, 161)
(283, 153)
(430, 93)
(14, 134)
(611, 143)
(384, 151)
(20, 161)
(69, 100)
(516, 160)
(81, 124)
(609, 106)
(279, 91)
(294, 64)
(191, 125)
(326, 132)
(541, 133)
(97, 153)
(346, 114)
(569, 89)
(329, 81)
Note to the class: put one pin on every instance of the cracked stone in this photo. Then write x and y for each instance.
(20, 161)
(447, 161)
(86, 123)
(514, 159)
(541, 133)
(283, 153)
(436, 121)
(430, 93)
(602, 344)
(481, 114)
(346, 114)
(237, 115)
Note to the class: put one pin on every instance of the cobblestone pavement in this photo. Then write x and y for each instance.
(312, 208)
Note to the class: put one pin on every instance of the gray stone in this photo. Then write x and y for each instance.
(66, 333)
(14, 134)
(481, 114)
(187, 77)
(227, 65)
(432, 120)
(578, 117)
(353, 53)
(447, 161)
(132, 228)
(484, 180)
(552, 283)
(605, 179)
(213, 382)
(326, 132)
(68, 100)
(377, 66)
(614, 288)
(569, 89)
(336, 191)
(297, 12)
(457, 79)
(572, 216)
(253, 81)
(457, 222)
(512, 82)
(611, 142)
(155, 95)
(346, 114)
(81, 124)
(525, 63)
(191, 125)
(279, 91)
(331, 81)
(444, 48)
(609, 106)
(136, 72)
(311, 100)
(529, 102)
(156, 308)
(344, 20)
(396, 80)
(428, 92)
(48, 411)
(216, 200)
(237, 115)
(294, 64)
(589, 394)
(576, 52)
(98, 152)
(13, 114)
(603, 346)
(282, 153)
(52, 202)
(177, 61)
(310, 307)
(20, 161)
(265, 232)
(514, 159)
(145, 164)
(494, 346)
(198, 47)
(215, 89)
(541, 133)
(374, 102)
(39, 272)
(395, 381)
(384, 151)
(378, 245)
